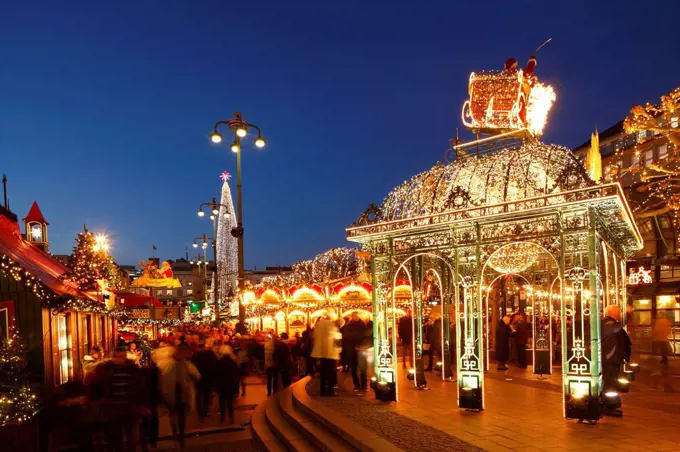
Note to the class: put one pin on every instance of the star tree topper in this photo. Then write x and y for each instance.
(225, 176)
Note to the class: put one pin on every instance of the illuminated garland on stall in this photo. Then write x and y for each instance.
(49, 298)
(148, 322)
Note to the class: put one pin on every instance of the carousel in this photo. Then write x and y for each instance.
(507, 225)
(292, 308)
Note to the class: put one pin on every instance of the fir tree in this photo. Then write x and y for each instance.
(18, 403)
(89, 263)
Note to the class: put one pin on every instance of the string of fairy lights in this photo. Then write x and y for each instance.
(49, 298)
(655, 129)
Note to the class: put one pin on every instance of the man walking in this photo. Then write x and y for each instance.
(405, 329)
(616, 349)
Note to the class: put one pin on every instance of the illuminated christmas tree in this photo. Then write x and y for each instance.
(18, 403)
(90, 260)
(227, 245)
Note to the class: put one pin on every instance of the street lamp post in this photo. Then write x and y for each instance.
(214, 208)
(204, 245)
(239, 127)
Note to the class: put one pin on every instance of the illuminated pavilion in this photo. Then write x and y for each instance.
(507, 206)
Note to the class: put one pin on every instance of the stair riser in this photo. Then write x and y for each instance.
(301, 428)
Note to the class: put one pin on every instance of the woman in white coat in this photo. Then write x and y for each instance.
(327, 348)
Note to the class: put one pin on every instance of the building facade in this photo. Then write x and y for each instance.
(653, 274)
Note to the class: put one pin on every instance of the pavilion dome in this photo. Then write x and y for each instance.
(532, 170)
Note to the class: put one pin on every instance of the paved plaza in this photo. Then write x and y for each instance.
(522, 413)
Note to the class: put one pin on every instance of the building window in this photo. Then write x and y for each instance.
(168, 292)
(641, 136)
(87, 334)
(649, 157)
(190, 291)
(102, 328)
(674, 121)
(64, 345)
(663, 151)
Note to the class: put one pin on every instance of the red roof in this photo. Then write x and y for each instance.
(34, 260)
(35, 214)
(133, 300)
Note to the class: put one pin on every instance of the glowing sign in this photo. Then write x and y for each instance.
(641, 276)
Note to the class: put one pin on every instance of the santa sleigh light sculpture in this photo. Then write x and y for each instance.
(508, 101)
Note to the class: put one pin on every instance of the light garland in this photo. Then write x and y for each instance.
(148, 322)
(49, 298)
(652, 125)
(227, 244)
(536, 169)
(514, 257)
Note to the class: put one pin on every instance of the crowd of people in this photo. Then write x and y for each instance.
(119, 397)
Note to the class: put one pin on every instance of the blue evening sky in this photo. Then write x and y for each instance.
(106, 107)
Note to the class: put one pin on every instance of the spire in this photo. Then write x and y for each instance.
(593, 161)
(35, 215)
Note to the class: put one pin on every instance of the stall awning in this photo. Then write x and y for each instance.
(133, 300)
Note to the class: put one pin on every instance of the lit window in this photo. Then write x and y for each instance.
(674, 121)
(168, 292)
(641, 135)
(649, 157)
(665, 302)
(36, 232)
(663, 151)
(190, 291)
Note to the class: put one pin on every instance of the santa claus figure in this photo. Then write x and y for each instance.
(166, 270)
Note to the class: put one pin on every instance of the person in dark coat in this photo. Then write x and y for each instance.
(616, 349)
(283, 359)
(352, 337)
(405, 329)
(503, 342)
(227, 382)
(121, 386)
(308, 341)
(149, 424)
(435, 340)
(521, 339)
(205, 361)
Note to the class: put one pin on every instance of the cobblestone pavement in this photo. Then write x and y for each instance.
(406, 433)
(521, 417)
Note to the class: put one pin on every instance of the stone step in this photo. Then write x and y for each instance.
(261, 432)
(319, 436)
(358, 437)
(279, 424)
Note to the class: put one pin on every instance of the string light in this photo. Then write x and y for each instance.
(227, 244)
(652, 127)
(514, 257)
